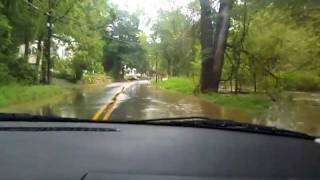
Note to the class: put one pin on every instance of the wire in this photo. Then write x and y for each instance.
(35, 7)
(60, 19)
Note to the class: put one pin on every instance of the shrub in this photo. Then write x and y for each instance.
(93, 78)
(301, 81)
(22, 71)
(63, 70)
(5, 77)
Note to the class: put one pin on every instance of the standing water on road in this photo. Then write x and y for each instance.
(299, 112)
(141, 101)
(145, 102)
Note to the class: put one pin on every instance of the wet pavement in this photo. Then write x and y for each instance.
(141, 101)
(81, 104)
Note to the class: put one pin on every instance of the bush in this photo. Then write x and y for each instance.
(93, 79)
(5, 77)
(22, 71)
(63, 70)
(301, 81)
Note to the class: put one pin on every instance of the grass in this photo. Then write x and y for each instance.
(255, 103)
(178, 84)
(94, 79)
(16, 94)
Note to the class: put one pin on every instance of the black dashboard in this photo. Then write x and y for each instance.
(139, 152)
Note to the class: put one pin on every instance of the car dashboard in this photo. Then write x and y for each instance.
(87, 151)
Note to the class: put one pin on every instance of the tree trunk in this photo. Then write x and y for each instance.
(255, 82)
(220, 41)
(44, 69)
(26, 48)
(38, 60)
(206, 28)
(237, 71)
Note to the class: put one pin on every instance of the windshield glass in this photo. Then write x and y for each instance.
(249, 61)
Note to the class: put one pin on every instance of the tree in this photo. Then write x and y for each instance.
(122, 43)
(220, 41)
(206, 81)
(174, 32)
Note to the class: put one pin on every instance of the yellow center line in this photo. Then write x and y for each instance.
(108, 107)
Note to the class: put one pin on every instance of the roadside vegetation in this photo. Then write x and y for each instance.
(234, 53)
(15, 94)
(268, 49)
(78, 32)
(251, 102)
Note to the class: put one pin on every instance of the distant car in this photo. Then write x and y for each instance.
(132, 77)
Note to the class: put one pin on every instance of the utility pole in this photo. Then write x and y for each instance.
(49, 26)
(156, 68)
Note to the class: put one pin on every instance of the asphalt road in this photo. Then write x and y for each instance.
(139, 100)
(142, 101)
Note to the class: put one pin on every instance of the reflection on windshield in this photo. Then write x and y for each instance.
(254, 62)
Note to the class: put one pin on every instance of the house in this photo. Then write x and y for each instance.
(59, 49)
(32, 52)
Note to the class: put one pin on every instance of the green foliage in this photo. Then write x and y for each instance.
(64, 70)
(5, 77)
(5, 35)
(123, 44)
(301, 81)
(13, 94)
(269, 39)
(83, 22)
(179, 84)
(22, 71)
(176, 36)
(94, 79)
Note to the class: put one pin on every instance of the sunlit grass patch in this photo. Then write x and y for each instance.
(179, 84)
(15, 94)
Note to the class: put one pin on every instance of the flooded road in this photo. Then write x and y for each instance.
(82, 103)
(300, 111)
(140, 101)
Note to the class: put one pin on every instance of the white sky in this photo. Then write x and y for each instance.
(150, 9)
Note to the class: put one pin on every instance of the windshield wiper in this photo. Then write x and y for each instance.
(34, 118)
(195, 122)
(201, 122)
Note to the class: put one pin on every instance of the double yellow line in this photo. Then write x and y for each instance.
(106, 110)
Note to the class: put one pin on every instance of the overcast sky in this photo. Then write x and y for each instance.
(150, 8)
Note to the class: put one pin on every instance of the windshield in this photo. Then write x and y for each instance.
(249, 61)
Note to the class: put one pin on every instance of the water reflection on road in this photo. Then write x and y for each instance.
(82, 103)
(301, 112)
(141, 101)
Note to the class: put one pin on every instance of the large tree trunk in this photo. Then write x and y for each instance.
(206, 28)
(220, 41)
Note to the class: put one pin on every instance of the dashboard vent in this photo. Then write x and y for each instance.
(54, 129)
